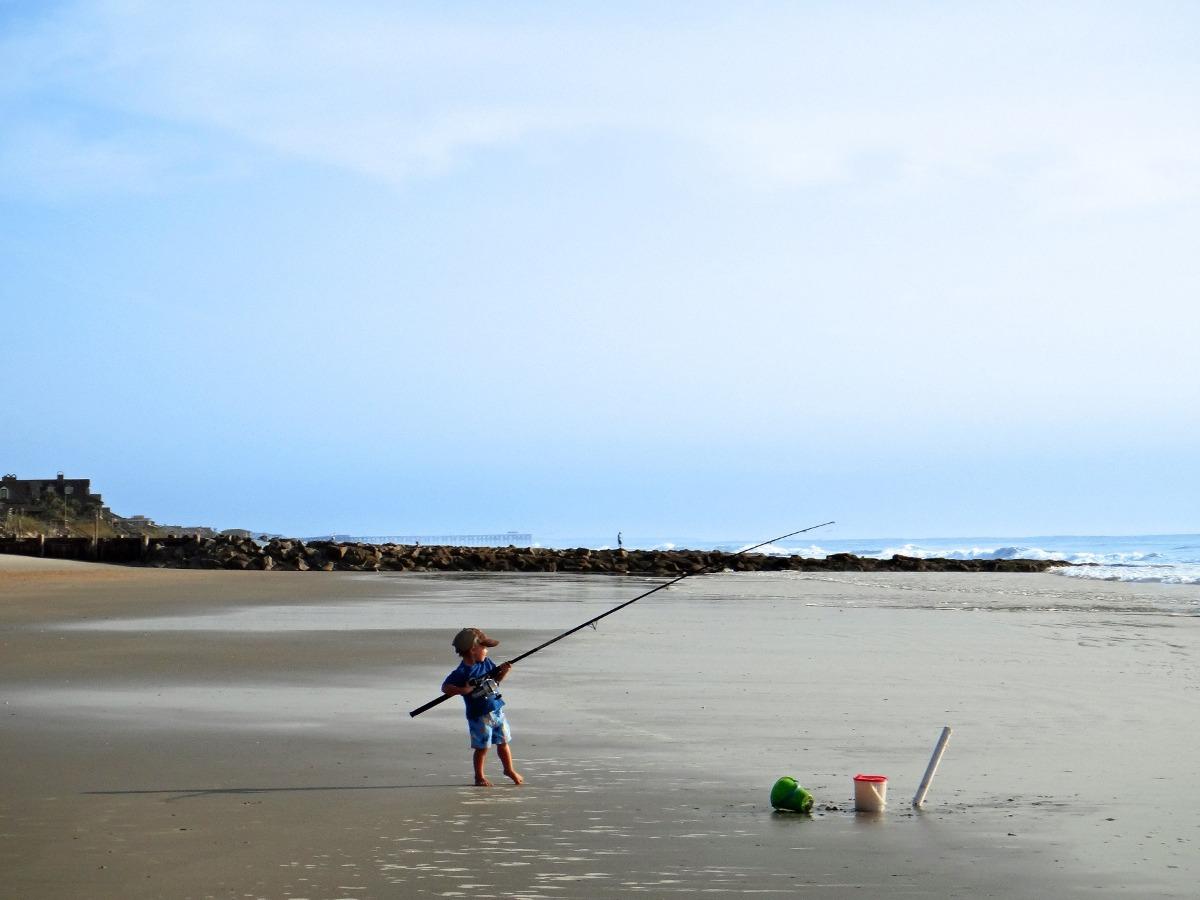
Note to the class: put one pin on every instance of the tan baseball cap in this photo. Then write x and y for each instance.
(469, 637)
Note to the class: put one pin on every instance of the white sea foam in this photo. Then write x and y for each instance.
(1116, 559)
(1178, 574)
(918, 551)
(812, 552)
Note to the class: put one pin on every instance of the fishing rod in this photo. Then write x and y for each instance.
(516, 659)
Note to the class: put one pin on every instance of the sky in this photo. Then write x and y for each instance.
(681, 269)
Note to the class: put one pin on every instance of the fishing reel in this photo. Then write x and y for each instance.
(484, 688)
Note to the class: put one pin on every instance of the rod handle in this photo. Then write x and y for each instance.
(431, 704)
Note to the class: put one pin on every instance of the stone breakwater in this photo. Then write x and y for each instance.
(328, 556)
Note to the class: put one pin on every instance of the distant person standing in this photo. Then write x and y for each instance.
(620, 545)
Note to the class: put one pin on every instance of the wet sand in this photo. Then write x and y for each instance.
(218, 734)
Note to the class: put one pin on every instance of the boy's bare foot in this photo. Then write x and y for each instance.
(482, 782)
(515, 776)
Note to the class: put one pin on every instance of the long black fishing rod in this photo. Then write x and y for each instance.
(516, 659)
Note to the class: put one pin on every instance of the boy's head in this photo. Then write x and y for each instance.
(470, 638)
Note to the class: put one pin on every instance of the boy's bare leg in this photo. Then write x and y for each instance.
(477, 758)
(505, 754)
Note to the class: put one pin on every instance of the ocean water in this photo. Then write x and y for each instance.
(1162, 558)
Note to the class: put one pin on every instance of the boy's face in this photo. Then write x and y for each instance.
(476, 654)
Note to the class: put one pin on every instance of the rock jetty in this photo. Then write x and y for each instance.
(232, 552)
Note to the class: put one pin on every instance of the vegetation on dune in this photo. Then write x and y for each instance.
(67, 517)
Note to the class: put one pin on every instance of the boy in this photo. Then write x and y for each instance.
(474, 680)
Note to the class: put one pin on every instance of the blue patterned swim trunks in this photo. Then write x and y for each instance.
(489, 729)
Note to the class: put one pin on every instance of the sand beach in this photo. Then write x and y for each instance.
(188, 734)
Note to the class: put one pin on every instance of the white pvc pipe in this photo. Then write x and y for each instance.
(931, 769)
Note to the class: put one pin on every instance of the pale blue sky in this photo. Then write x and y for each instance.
(706, 270)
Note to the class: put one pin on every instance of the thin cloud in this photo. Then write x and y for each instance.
(789, 102)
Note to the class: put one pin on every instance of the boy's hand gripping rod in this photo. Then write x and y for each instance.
(516, 659)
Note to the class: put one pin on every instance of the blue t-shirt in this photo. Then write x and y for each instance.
(476, 706)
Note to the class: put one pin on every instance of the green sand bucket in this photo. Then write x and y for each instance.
(787, 794)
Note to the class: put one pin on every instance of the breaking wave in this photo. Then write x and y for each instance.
(970, 552)
(1105, 559)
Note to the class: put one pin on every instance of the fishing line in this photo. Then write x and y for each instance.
(666, 584)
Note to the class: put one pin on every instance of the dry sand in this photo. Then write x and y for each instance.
(212, 734)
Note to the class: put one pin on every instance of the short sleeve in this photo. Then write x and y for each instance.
(457, 678)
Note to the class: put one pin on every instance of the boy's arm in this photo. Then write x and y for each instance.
(498, 673)
(452, 687)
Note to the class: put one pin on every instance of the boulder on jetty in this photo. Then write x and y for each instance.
(234, 552)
